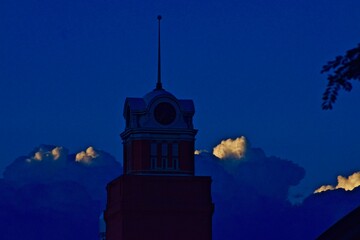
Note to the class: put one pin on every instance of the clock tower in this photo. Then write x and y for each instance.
(158, 196)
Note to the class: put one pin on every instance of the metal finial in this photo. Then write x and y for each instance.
(159, 84)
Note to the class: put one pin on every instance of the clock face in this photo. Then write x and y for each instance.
(165, 113)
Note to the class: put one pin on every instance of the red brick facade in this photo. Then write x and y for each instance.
(159, 207)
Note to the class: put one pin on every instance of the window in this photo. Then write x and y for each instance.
(175, 155)
(164, 155)
(153, 155)
(164, 150)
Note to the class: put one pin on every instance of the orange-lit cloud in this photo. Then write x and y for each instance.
(349, 183)
(231, 148)
(198, 152)
(48, 153)
(346, 183)
(44, 153)
(324, 188)
(56, 152)
(38, 156)
(87, 155)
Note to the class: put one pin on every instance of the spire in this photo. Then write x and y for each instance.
(159, 84)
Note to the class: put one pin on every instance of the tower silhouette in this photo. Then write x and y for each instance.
(158, 196)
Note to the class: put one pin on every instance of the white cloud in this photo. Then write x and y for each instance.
(231, 148)
(346, 183)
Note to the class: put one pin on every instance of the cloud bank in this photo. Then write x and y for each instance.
(249, 189)
(267, 176)
(51, 194)
(251, 197)
(51, 191)
(92, 168)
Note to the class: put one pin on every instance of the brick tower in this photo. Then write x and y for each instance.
(158, 196)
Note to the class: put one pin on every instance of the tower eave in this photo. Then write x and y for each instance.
(165, 131)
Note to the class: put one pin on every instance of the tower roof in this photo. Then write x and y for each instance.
(157, 93)
(140, 105)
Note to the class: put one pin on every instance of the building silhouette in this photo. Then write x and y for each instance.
(158, 196)
(347, 228)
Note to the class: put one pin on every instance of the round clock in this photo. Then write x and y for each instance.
(165, 113)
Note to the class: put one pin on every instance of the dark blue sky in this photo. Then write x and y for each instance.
(252, 68)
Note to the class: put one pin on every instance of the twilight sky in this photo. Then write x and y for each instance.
(251, 67)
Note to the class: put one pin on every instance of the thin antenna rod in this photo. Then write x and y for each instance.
(159, 84)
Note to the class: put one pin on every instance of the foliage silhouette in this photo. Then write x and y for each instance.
(341, 71)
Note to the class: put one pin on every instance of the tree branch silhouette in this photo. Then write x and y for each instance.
(340, 71)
